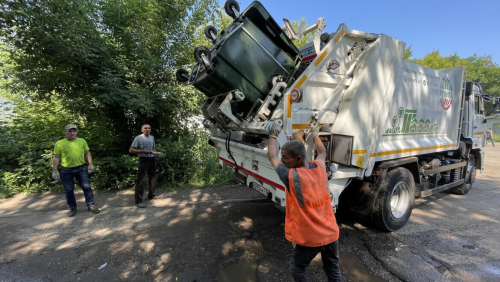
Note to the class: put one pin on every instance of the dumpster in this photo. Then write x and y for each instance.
(245, 57)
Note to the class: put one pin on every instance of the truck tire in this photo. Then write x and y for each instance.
(470, 177)
(394, 202)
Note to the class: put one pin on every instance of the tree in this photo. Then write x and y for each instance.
(308, 38)
(109, 64)
(407, 53)
(111, 61)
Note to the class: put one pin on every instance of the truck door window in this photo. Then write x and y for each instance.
(479, 105)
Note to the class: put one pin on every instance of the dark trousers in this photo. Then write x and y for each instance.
(68, 175)
(303, 256)
(147, 167)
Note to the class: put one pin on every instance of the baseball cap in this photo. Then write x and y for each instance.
(70, 126)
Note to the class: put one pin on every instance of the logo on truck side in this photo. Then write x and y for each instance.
(410, 124)
(446, 93)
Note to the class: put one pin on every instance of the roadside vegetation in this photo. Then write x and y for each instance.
(109, 67)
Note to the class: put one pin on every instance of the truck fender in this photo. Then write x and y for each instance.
(360, 195)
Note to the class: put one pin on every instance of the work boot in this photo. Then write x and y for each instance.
(94, 209)
(72, 212)
(141, 205)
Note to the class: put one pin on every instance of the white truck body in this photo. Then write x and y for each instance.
(384, 113)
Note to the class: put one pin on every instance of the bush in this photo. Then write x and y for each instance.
(116, 172)
(190, 160)
(27, 142)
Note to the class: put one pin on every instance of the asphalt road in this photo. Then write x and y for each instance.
(232, 234)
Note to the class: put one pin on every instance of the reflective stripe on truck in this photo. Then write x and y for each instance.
(272, 183)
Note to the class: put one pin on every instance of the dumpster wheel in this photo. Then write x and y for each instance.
(228, 7)
(208, 32)
(201, 53)
(182, 75)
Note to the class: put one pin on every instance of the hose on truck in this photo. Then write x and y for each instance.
(228, 141)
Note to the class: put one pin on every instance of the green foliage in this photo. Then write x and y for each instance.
(28, 138)
(116, 172)
(111, 62)
(480, 69)
(407, 53)
(107, 66)
(26, 143)
(191, 160)
(306, 39)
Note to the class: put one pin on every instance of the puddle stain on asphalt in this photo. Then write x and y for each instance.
(470, 247)
(493, 269)
(246, 270)
(354, 269)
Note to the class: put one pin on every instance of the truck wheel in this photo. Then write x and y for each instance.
(201, 52)
(182, 75)
(208, 32)
(470, 177)
(394, 202)
(228, 8)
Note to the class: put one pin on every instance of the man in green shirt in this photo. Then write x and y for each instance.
(70, 153)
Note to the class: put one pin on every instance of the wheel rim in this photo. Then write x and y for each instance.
(400, 199)
(471, 170)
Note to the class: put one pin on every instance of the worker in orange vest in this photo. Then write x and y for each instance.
(310, 222)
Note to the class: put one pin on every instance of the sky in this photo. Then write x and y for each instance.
(451, 27)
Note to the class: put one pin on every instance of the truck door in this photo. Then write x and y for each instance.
(479, 120)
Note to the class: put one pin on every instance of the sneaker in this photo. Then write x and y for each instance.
(154, 198)
(72, 212)
(93, 209)
(141, 205)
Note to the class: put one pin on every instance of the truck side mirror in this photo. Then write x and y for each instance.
(468, 89)
(496, 110)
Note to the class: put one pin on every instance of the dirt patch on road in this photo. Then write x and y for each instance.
(41, 243)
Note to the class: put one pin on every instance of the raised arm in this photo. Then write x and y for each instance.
(274, 130)
(271, 152)
(320, 148)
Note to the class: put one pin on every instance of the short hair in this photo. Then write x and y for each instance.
(295, 148)
(145, 125)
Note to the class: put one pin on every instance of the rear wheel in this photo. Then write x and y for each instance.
(394, 202)
(470, 177)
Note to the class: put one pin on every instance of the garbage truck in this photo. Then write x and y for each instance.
(396, 130)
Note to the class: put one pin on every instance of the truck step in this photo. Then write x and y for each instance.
(442, 188)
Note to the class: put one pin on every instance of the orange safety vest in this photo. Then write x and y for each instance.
(310, 220)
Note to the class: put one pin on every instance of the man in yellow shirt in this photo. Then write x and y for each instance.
(71, 152)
